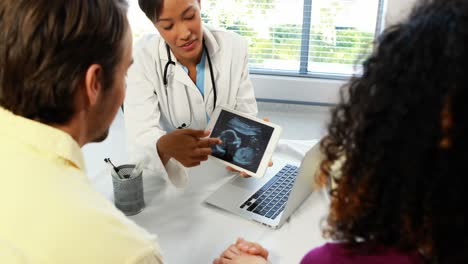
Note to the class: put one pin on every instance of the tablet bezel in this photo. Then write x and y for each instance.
(270, 148)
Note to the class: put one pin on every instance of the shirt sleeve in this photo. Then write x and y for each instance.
(150, 254)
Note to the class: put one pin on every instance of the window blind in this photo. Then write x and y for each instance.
(300, 37)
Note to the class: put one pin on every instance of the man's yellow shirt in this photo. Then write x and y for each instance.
(49, 213)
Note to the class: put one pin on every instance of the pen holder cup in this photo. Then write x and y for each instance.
(128, 192)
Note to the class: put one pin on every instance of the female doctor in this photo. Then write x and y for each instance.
(177, 79)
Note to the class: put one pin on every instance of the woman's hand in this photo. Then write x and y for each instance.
(251, 248)
(188, 146)
(242, 259)
(243, 252)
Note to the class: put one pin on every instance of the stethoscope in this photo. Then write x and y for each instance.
(165, 82)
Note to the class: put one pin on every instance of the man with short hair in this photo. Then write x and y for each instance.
(62, 80)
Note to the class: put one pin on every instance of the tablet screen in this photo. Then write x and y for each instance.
(244, 140)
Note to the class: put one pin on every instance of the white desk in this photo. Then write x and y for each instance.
(190, 231)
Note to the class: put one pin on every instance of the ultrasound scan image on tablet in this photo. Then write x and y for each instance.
(248, 142)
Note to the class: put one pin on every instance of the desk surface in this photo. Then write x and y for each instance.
(190, 230)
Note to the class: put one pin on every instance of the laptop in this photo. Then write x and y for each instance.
(271, 199)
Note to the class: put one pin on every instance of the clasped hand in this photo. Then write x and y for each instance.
(243, 252)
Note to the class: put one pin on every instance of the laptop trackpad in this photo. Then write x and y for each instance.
(232, 194)
(249, 183)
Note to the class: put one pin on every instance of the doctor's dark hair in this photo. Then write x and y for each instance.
(46, 48)
(151, 8)
(400, 133)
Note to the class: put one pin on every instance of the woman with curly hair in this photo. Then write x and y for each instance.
(400, 135)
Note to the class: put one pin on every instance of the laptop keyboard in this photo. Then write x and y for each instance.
(271, 199)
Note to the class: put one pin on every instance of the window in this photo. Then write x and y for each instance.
(293, 37)
(139, 23)
(300, 37)
(323, 39)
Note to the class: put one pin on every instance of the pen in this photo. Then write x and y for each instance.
(109, 162)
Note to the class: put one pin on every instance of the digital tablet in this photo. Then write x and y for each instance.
(248, 142)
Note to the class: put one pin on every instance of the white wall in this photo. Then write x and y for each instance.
(311, 90)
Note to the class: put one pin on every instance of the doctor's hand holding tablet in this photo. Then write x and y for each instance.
(244, 143)
(178, 78)
(247, 142)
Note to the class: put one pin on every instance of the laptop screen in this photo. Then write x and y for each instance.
(244, 140)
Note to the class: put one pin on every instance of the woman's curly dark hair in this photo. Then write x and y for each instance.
(402, 128)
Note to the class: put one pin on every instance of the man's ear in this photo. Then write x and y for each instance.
(93, 84)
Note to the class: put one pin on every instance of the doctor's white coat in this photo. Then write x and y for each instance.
(151, 109)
